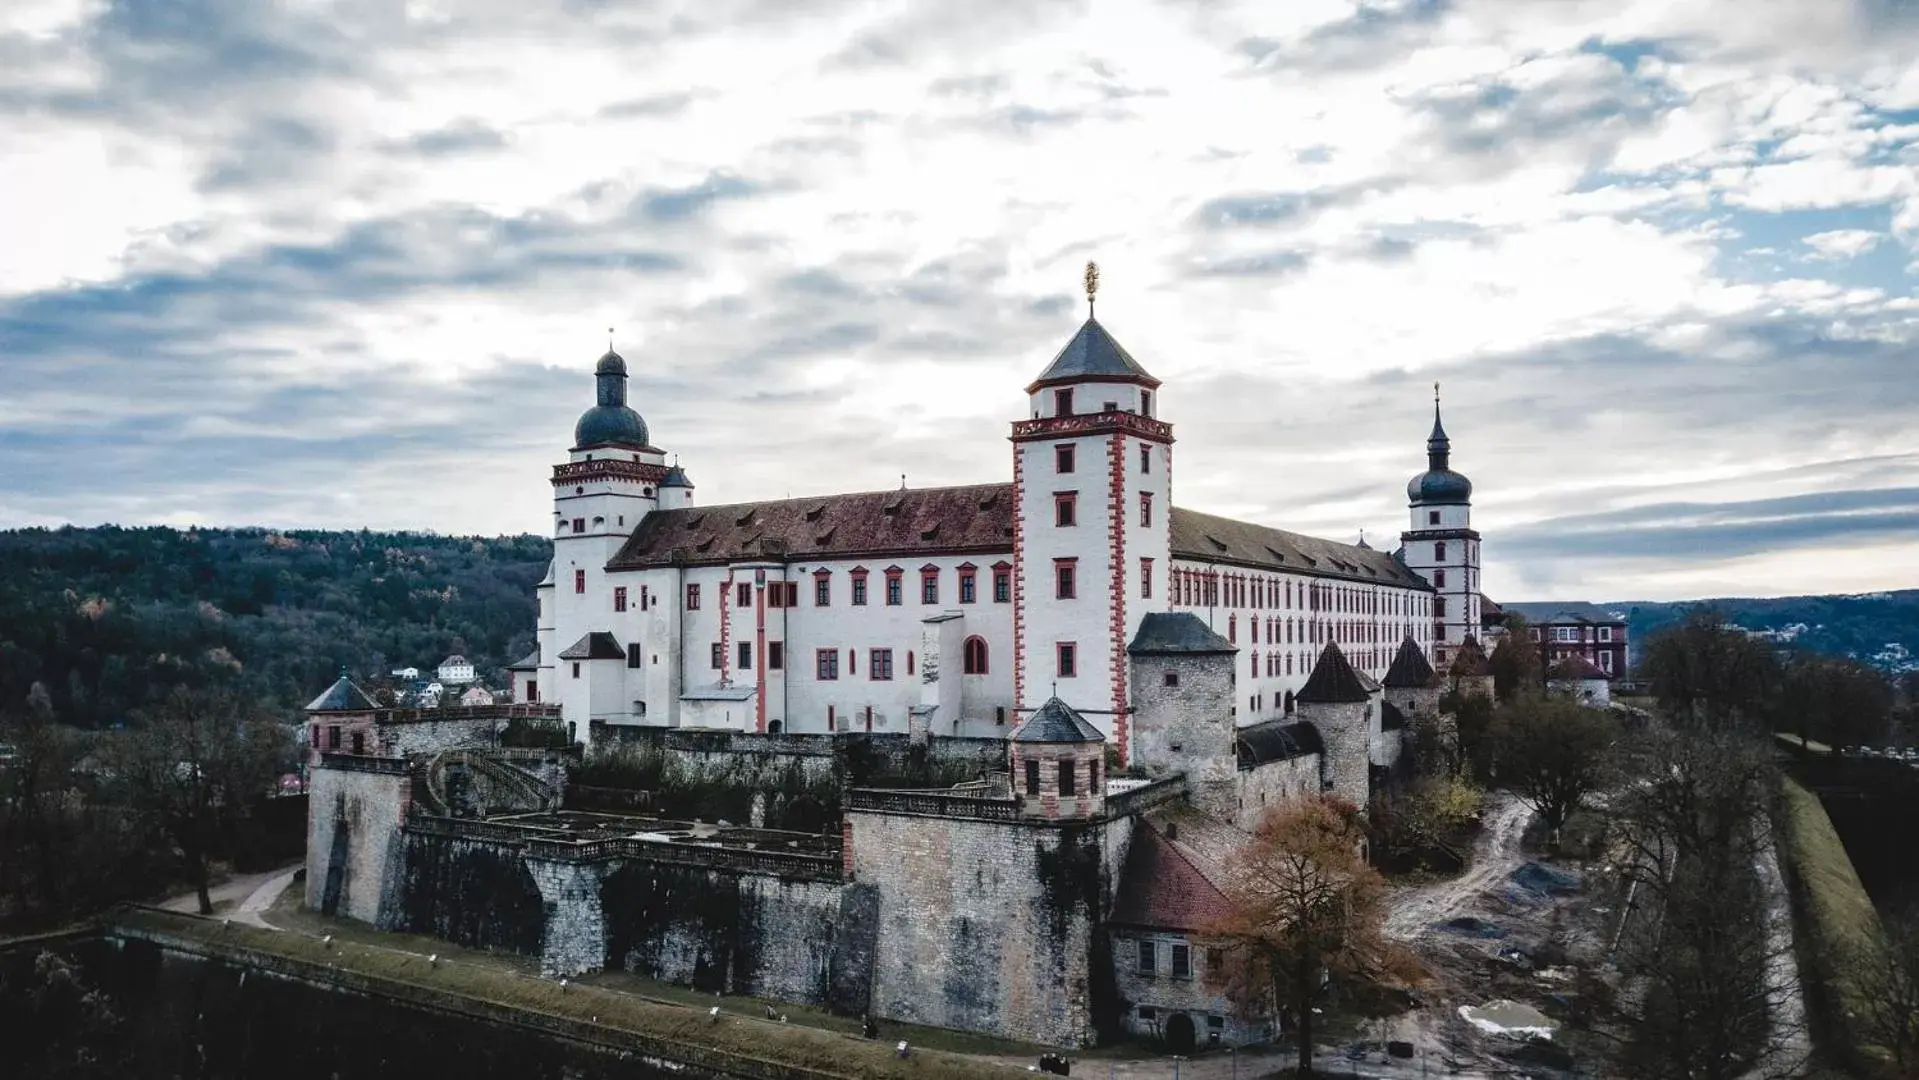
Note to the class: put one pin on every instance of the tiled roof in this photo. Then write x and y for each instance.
(1333, 681)
(1177, 632)
(903, 523)
(529, 662)
(1208, 538)
(1541, 613)
(1411, 669)
(456, 660)
(1093, 354)
(1277, 740)
(598, 645)
(1056, 722)
(342, 696)
(1576, 666)
(1162, 887)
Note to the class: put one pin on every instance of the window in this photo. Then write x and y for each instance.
(1439, 579)
(775, 655)
(1439, 551)
(1063, 402)
(1605, 633)
(1065, 510)
(1066, 786)
(1439, 634)
(974, 653)
(969, 586)
(1032, 777)
(822, 590)
(579, 525)
(692, 598)
(333, 737)
(1063, 583)
(718, 656)
(1182, 962)
(859, 590)
(1255, 663)
(879, 665)
(1232, 629)
(1145, 459)
(909, 661)
(826, 664)
(929, 586)
(1169, 678)
(1063, 458)
(576, 669)
(1439, 607)
(1148, 1013)
(1002, 585)
(532, 690)
(619, 598)
(1605, 662)
(579, 581)
(1432, 517)
(1066, 656)
(1110, 406)
(1148, 963)
(893, 588)
(633, 657)
(1146, 402)
(745, 592)
(1146, 579)
(1145, 509)
(746, 656)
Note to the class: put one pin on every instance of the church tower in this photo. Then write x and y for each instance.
(1441, 545)
(1092, 488)
(608, 484)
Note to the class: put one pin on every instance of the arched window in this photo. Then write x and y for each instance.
(975, 656)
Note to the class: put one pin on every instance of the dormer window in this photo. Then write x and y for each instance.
(1063, 402)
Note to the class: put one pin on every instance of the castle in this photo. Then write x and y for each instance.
(960, 609)
(1131, 686)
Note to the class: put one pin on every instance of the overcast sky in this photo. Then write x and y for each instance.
(349, 264)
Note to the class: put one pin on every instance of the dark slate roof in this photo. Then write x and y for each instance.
(675, 477)
(903, 523)
(1056, 722)
(1093, 354)
(1411, 670)
(1277, 740)
(598, 645)
(1207, 538)
(529, 662)
(1547, 612)
(1163, 888)
(1177, 632)
(342, 696)
(1576, 666)
(1333, 681)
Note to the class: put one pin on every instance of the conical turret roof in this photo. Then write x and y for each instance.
(1411, 670)
(342, 696)
(1093, 354)
(1333, 681)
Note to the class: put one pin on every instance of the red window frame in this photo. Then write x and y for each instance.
(579, 581)
(822, 588)
(1145, 509)
(619, 598)
(1066, 659)
(1002, 583)
(826, 665)
(974, 656)
(879, 665)
(857, 576)
(929, 584)
(1064, 458)
(693, 597)
(1066, 579)
(1146, 579)
(1065, 509)
(968, 584)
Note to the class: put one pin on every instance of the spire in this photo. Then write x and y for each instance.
(1092, 285)
(1439, 448)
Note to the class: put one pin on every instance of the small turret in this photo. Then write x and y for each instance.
(1338, 702)
(1057, 760)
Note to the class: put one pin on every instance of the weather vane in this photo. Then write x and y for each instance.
(1092, 286)
(609, 339)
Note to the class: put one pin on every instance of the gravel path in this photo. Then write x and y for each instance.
(1495, 855)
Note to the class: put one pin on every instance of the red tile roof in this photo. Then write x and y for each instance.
(1162, 886)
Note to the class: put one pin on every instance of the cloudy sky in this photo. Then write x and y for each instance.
(315, 263)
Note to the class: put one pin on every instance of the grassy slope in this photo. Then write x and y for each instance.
(1836, 918)
(613, 1018)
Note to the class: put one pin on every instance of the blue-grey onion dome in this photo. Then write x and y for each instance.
(676, 477)
(609, 424)
(610, 364)
(1439, 486)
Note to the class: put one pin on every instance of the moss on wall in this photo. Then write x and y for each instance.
(474, 894)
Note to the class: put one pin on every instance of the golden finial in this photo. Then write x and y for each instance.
(1092, 286)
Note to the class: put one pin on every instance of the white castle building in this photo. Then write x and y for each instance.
(959, 610)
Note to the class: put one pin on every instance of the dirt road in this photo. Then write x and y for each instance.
(1495, 855)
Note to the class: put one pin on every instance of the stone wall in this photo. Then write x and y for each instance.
(1273, 783)
(1345, 731)
(985, 926)
(469, 892)
(354, 856)
(1187, 727)
(1150, 998)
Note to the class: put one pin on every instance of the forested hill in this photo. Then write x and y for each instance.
(1881, 629)
(108, 617)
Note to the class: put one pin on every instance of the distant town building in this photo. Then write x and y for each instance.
(456, 669)
(1577, 629)
(1579, 678)
(476, 695)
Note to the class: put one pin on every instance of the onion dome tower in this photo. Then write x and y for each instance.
(1440, 544)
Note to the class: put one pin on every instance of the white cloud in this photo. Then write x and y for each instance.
(1843, 243)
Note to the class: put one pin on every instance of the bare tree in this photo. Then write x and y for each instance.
(193, 766)
(1305, 906)
(1708, 674)
(1885, 979)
